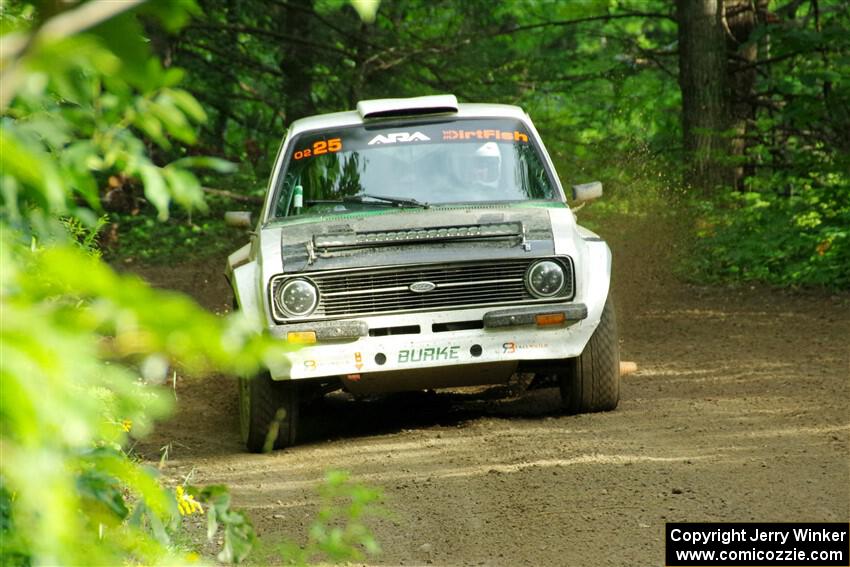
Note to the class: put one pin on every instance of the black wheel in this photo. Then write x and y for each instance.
(591, 381)
(268, 413)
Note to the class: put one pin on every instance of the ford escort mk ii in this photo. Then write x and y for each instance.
(421, 243)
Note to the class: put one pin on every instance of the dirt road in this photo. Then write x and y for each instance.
(740, 411)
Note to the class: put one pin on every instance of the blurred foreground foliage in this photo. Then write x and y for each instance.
(86, 352)
(80, 107)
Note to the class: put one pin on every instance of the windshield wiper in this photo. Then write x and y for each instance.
(394, 201)
(381, 200)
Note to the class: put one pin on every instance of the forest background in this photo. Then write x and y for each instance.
(119, 119)
(740, 108)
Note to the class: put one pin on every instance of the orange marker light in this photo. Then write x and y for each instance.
(550, 319)
(301, 337)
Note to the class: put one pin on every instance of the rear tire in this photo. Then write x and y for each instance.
(268, 413)
(591, 381)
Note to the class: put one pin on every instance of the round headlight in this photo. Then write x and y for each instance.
(545, 278)
(297, 298)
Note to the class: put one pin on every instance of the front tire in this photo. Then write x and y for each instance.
(268, 413)
(591, 381)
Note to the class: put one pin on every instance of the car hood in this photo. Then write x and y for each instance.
(409, 236)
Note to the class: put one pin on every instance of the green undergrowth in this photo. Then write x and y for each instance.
(796, 241)
(183, 237)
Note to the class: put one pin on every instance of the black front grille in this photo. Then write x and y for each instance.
(387, 290)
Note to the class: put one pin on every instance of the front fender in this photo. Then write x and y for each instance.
(242, 273)
(597, 275)
(592, 258)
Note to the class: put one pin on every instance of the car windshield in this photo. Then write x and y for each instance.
(442, 162)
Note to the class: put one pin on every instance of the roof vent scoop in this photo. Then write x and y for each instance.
(392, 107)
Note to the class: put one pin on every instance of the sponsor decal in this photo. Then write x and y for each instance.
(511, 348)
(395, 137)
(310, 365)
(358, 360)
(428, 354)
(496, 135)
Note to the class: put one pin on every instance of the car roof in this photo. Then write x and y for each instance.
(354, 118)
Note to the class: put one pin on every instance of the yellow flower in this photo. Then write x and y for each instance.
(126, 425)
(186, 503)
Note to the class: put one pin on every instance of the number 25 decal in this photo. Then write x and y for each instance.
(319, 147)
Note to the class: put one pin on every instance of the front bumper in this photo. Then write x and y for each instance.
(507, 334)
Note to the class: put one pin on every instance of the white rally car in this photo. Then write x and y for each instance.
(420, 243)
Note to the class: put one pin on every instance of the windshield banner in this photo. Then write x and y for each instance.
(504, 131)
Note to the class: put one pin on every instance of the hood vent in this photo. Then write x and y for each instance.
(343, 240)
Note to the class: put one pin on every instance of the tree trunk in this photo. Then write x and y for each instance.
(741, 18)
(297, 62)
(702, 80)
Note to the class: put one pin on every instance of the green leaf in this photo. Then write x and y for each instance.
(34, 168)
(239, 539)
(150, 125)
(366, 9)
(101, 489)
(212, 523)
(124, 37)
(188, 104)
(155, 188)
(76, 159)
(216, 164)
(172, 119)
(185, 187)
(173, 14)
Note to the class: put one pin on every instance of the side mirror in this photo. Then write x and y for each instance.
(238, 219)
(587, 192)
